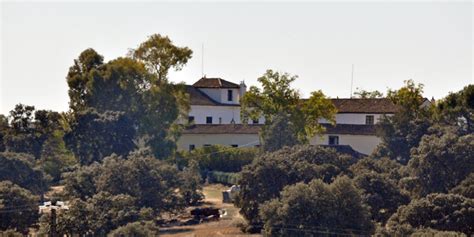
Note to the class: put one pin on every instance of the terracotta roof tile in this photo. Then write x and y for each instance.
(374, 106)
(350, 129)
(214, 83)
(222, 129)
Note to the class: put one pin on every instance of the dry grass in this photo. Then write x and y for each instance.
(225, 226)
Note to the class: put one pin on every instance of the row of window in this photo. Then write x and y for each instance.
(209, 120)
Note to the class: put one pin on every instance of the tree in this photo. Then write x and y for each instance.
(18, 207)
(125, 91)
(441, 161)
(457, 109)
(95, 216)
(381, 193)
(270, 172)
(3, 131)
(94, 136)
(403, 131)
(445, 212)
(19, 169)
(364, 94)
(278, 98)
(159, 54)
(136, 229)
(280, 133)
(317, 208)
(466, 187)
(191, 187)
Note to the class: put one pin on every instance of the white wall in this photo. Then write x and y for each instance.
(220, 95)
(200, 112)
(352, 118)
(249, 140)
(361, 143)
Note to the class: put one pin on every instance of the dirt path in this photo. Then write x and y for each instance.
(225, 226)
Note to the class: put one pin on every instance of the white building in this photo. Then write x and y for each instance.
(215, 112)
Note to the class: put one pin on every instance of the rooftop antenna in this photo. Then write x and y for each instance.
(352, 79)
(202, 61)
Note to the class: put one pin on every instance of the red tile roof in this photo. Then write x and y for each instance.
(372, 106)
(214, 83)
(222, 129)
(343, 129)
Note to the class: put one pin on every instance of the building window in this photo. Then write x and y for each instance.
(333, 140)
(229, 95)
(207, 145)
(209, 120)
(192, 147)
(369, 120)
(220, 120)
(255, 121)
(190, 119)
(234, 145)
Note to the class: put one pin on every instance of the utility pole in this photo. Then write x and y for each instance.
(52, 224)
(352, 79)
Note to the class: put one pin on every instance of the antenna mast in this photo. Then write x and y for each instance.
(352, 79)
(202, 61)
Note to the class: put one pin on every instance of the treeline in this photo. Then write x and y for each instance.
(114, 153)
(419, 180)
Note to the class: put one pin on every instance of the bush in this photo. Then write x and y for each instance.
(446, 212)
(222, 177)
(136, 229)
(271, 172)
(220, 158)
(18, 207)
(19, 169)
(315, 207)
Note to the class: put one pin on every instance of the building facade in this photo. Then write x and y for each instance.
(215, 119)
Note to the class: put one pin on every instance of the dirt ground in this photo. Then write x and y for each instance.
(225, 226)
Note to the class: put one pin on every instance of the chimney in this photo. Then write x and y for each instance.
(243, 89)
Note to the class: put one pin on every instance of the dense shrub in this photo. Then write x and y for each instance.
(271, 172)
(317, 207)
(136, 229)
(19, 169)
(466, 187)
(446, 212)
(221, 158)
(225, 178)
(18, 207)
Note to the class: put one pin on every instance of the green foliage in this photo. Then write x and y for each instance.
(441, 161)
(466, 187)
(457, 109)
(3, 131)
(364, 94)
(303, 208)
(19, 169)
(123, 94)
(381, 193)
(55, 157)
(280, 133)
(278, 98)
(97, 215)
(385, 166)
(219, 158)
(404, 130)
(445, 212)
(226, 178)
(136, 229)
(271, 172)
(159, 54)
(191, 187)
(10, 233)
(94, 136)
(151, 182)
(18, 207)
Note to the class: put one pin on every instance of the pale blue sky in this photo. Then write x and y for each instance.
(431, 43)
